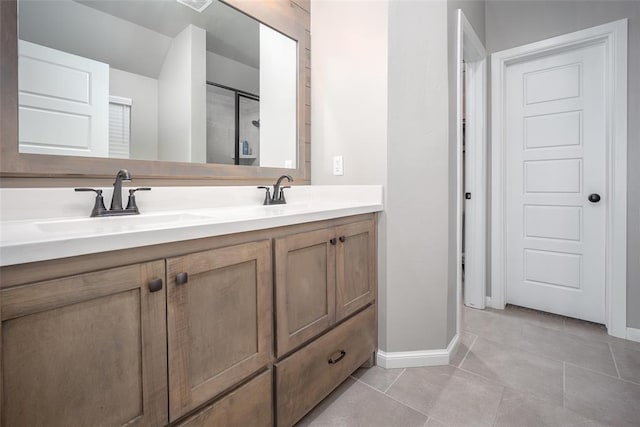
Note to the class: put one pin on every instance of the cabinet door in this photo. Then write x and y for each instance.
(219, 321)
(86, 350)
(355, 267)
(305, 287)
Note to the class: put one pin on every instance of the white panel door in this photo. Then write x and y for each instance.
(555, 157)
(63, 103)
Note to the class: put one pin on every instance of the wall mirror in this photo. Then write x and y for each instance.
(204, 93)
(171, 80)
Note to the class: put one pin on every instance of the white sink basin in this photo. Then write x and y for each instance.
(119, 223)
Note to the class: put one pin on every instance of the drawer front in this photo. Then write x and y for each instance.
(250, 405)
(309, 375)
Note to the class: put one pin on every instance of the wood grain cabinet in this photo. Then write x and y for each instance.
(355, 267)
(185, 334)
(322, 276)
(86, 350)
(219, 321)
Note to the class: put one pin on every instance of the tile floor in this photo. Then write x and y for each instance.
(516, 367)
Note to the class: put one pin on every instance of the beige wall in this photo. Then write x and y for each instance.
(511, 24)
(349, 111)
(380, 96)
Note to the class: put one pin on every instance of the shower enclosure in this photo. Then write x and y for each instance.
(233, 126)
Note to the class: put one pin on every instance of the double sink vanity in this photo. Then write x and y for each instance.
(194, 303)
(225, 312)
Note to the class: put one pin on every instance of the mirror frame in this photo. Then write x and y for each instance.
(290, 17)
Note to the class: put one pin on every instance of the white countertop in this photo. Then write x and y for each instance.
(39, 224)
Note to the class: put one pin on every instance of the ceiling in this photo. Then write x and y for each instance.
(229, 33)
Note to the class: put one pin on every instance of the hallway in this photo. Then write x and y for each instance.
(516, 367)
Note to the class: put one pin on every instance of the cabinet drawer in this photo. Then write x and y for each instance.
(309, 375)
(250, 405)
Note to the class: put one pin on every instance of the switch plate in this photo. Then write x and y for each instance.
(338, 165)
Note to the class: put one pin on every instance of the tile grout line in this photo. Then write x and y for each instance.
(394, 381)
(614, 360)
(495, 417)
(394, 399)
(563, 330)
(545, 356)
(564, 382)
(606, 375)
(468, 350)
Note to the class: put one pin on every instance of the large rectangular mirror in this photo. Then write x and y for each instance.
(137, 124)
(170, 80)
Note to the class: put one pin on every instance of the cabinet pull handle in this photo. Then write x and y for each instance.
(333, 361)
(333, 241)
(342, 239)
(182, 278)
(155, 285)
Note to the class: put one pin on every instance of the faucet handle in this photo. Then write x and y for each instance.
(131, 203)
(98, 206)
(267, 195)
(281, 198)
(133, 190)
(97, 191)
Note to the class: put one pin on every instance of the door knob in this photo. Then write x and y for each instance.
(594, 198)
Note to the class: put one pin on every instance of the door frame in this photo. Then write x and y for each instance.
(614, 36)
(471, 50)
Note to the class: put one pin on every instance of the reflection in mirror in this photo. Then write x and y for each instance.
(155, 80)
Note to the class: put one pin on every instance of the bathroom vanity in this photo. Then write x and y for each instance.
(220, 316)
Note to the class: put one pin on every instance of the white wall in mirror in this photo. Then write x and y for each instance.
(278, 83)
(182, 99)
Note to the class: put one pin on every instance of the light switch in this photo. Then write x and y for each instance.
(338, 166)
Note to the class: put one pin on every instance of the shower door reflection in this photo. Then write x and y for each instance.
(248, 130)
(233, 126)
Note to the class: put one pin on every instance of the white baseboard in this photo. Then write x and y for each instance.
(633, 334)
(415, 359)
(487, 302)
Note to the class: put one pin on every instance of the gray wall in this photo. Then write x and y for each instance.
(380, 99)
(417, 207)
(511, 24)
(350, 52)
(227, 72)
(474, 12)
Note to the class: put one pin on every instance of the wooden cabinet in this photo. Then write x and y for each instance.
(184, 335)
(305, 287)
(322, 276)
(219, 321)
(355, 267)
(88, 349)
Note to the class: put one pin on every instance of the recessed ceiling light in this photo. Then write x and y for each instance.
(197, 5)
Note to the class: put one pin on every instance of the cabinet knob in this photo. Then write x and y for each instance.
(594, 198)
(182, 278)
(155, 285)
(333, 360)
(342, 239)
(333, 241)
